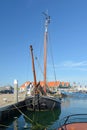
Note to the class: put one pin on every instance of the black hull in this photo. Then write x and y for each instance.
(38, 103)
(10, 111)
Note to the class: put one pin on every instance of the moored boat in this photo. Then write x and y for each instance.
(40, 99)
(42, 103)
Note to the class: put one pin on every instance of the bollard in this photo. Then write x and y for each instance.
(16, 91)
(25, 90)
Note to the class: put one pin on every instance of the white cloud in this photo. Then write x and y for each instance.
(75, 64)
(82, 65)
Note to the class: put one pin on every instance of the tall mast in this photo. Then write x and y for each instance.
(47, 21)
(33, 66)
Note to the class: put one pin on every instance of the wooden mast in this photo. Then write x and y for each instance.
(47, 21)
(33, 66)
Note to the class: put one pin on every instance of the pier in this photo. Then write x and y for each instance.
(10, 103)
(8, 99)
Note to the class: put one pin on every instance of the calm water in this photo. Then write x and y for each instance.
(49, 120)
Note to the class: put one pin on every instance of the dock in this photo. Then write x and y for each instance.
(11, 104)
(8, 106)
(8, 99)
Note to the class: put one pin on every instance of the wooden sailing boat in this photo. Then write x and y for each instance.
(40, 100)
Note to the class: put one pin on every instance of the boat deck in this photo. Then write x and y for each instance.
(74, 126)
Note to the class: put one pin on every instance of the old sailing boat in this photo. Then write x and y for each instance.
(40, 100)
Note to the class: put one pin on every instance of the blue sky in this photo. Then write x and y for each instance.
(22, 24)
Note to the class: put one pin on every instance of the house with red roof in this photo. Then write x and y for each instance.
(52, 85)
(23, 86)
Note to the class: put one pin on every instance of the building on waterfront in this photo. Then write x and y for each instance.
(82, 88)
(23, 86)
(52, 85)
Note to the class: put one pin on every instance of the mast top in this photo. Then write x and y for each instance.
(31, 47)
(47, 21)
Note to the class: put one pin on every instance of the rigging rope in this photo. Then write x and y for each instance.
(31, 121)
(17, 108)
(39, 65)
(2, 125)
(23, 113)
(52, 58)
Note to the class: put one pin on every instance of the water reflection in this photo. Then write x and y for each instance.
(41, 120)
(15, 123)
(6, 124)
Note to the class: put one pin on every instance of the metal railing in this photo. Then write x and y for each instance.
(74, 118)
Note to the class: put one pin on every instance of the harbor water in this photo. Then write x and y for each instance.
(48, 120)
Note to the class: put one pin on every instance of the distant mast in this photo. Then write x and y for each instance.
(47, 21)
(33, 66)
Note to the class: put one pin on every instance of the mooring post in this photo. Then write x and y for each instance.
(25, 90)
(16, 91)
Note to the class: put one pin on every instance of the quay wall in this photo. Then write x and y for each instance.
(8, 106)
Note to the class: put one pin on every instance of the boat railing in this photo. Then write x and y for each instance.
(75, 118)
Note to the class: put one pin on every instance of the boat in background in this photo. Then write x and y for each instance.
(40, 100)
(73, 122)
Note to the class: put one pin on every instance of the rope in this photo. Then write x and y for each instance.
(52, 59)
(15, 107)
(2, 125)
(35, 123)
(23, 114)
(39, 66)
